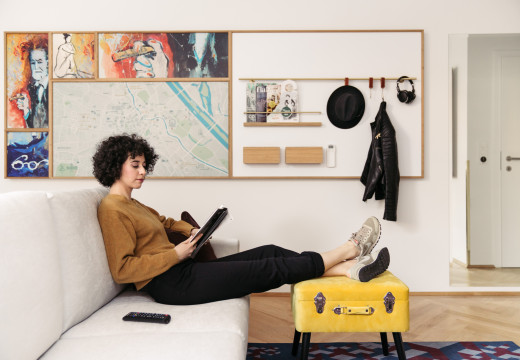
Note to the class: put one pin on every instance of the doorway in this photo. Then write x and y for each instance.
(484, 184)
(492, 119)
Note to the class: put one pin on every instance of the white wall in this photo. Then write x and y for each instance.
(306, 214)
(458, 65)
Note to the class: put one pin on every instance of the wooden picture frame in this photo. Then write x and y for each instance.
(74, 55)
(96, 65)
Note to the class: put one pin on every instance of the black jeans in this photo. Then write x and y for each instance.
(256, 270)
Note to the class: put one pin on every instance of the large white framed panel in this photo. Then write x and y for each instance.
(329, 55)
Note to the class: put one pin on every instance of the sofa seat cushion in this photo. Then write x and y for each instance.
(228, 315)
(192, 329)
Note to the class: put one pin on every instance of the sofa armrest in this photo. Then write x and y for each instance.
(224, 246)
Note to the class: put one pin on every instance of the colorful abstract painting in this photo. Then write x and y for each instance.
(27, 69)
(73, 55)
(163, 55)
(27, 154)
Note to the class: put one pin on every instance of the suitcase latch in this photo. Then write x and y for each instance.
(353, 310)
(319, 301)
(389, 302)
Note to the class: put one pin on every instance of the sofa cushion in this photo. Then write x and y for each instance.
(228, 315)
(87, 282)
(224, 246)
(30, 279)
(200, 327)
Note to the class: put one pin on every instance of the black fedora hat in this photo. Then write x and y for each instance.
(345, 107)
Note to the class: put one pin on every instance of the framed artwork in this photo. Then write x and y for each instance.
(58, 96)
(66, 91)
(73, 55)
(27, 154)
(163, 55)
(27, 78)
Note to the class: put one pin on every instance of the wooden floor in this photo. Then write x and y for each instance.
(432, 318)
(460, 276)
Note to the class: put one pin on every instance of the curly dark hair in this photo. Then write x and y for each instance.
(112, 153)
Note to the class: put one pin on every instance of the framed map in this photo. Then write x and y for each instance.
(186, 123)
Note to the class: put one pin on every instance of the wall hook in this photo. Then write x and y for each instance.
(383, 88)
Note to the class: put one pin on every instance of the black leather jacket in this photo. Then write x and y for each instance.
(381, 172)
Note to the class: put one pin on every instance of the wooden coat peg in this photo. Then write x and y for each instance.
(370, 85)
(383, 88)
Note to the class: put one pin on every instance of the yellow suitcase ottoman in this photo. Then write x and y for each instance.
(340, 304)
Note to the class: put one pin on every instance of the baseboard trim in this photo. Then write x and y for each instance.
(272, 294)
(465, 293)
(417, 293)
(458, 262)
(481, 267)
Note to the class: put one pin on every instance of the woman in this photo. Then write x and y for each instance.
(139, 252)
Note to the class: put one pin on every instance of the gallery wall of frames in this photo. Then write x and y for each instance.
(219, 105)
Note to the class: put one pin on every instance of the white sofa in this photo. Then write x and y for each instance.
(58, 299)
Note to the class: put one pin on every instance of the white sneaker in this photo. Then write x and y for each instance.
(370, 266)
(368, 236)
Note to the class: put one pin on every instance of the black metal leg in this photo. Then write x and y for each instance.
(399, 345)
(306, 341)
(384, 343)
(296, 342)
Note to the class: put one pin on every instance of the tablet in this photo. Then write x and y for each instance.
(208, 228)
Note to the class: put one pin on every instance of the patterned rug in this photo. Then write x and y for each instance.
(368, 351)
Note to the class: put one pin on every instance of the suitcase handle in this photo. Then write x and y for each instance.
(353, 310)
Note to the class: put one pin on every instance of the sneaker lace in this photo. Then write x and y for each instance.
(362, 234)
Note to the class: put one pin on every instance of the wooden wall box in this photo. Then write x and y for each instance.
(261, 155)
(304, 155)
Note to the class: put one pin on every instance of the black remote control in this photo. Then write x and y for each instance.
(148, 317)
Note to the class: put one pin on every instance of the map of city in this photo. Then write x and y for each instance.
(185, 122)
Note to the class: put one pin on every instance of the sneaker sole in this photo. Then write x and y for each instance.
(375, 243)
(376, 268)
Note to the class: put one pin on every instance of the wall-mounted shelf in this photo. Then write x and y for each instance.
(324, 79)
(294, 124)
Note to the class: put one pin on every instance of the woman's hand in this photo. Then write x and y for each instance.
(194, 231)
(185, 248)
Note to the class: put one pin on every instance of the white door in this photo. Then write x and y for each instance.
(509, 108)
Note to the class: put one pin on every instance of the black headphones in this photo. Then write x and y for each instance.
(405, 96)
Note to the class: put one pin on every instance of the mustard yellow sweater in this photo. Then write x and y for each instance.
(135, 239)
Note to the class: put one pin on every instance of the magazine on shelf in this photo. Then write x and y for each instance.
(273, 92)
(288, 105)
(261, 98)
(251, 101)
(205, 232)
